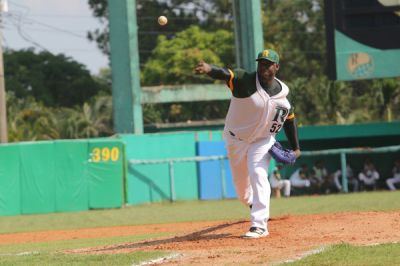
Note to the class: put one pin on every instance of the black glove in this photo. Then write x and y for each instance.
(282, 155)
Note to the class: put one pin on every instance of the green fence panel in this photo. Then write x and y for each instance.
(151, 183)
(203, 135)
(105, 173)
(148, 183)
(71, 160)
(37, 175)
(10, 203)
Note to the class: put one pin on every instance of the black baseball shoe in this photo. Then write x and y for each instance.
(256, 232)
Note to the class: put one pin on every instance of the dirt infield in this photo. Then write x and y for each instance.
(220, 243)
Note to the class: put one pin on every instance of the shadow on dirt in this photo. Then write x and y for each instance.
(205, 234)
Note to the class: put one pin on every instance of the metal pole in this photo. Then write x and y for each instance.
(344, 172)
(172, 180)
(3, 109)
(223, 183)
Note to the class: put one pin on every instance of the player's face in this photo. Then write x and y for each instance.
(267, 70)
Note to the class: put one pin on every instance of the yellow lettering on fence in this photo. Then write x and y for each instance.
(96, 155)
(105, 154)
(114, 154)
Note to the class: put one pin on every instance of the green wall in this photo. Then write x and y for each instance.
(64, 175)
(151, 183)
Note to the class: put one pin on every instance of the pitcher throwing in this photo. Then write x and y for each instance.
(259, 108)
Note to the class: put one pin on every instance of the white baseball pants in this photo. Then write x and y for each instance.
(249, 165)
(285, 185)
(391, 181)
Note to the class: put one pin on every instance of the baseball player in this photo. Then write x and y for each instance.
(259, 108)
(299, 178)
(278, 183)
(396, 176)
(369, 176)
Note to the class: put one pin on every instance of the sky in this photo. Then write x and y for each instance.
(59, 26)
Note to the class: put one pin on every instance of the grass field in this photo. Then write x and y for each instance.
(348, 255)
(50, 253)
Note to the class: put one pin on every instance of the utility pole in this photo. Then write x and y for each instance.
(3, 109)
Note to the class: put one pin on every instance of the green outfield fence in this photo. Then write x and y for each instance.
(171, 170)
(341, 152)
(74, 175)
(60, 176)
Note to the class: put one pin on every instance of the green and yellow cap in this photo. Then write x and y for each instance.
(268, 54)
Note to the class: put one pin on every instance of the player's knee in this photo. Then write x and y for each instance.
(258, 173)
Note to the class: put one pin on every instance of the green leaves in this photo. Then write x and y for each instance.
(173, 60)
(54, 80)
(30, 120)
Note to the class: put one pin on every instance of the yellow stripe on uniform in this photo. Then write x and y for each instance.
(230, 82)
(290, 117)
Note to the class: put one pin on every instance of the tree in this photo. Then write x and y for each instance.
(172, 61)
(55, 80)
(29, 120)
(296, 29)
(148, 28)
(92, 119)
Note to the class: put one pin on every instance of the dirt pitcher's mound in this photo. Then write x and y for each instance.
(220, 243)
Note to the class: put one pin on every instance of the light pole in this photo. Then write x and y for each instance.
(3, 109)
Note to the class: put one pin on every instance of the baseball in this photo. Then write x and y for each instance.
(162, 20)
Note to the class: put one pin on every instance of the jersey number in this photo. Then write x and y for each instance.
(275, 128)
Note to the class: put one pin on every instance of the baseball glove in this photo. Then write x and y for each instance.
(282, 155)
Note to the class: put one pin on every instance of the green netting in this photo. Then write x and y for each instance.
(10, 203)
(71, 160)
(37, 166)
(150, 183)
(105, 172)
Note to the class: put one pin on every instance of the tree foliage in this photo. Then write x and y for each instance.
(30, 120)
(172, 61)
(147, 12)
(54, 80)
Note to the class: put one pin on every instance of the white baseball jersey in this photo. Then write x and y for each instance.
(250, 128)
(258, 116)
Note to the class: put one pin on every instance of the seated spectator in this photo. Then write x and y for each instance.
(321, 181)
(368, 176)
(396, 176)
(277, 183)
(299, 178)
(351, 179)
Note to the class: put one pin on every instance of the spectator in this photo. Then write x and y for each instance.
(351, 179)
(368, 176)
(396, 176)
(320, 180)
(277, 183)
(299, 178)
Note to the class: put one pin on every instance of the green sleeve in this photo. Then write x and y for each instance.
(242, 83)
